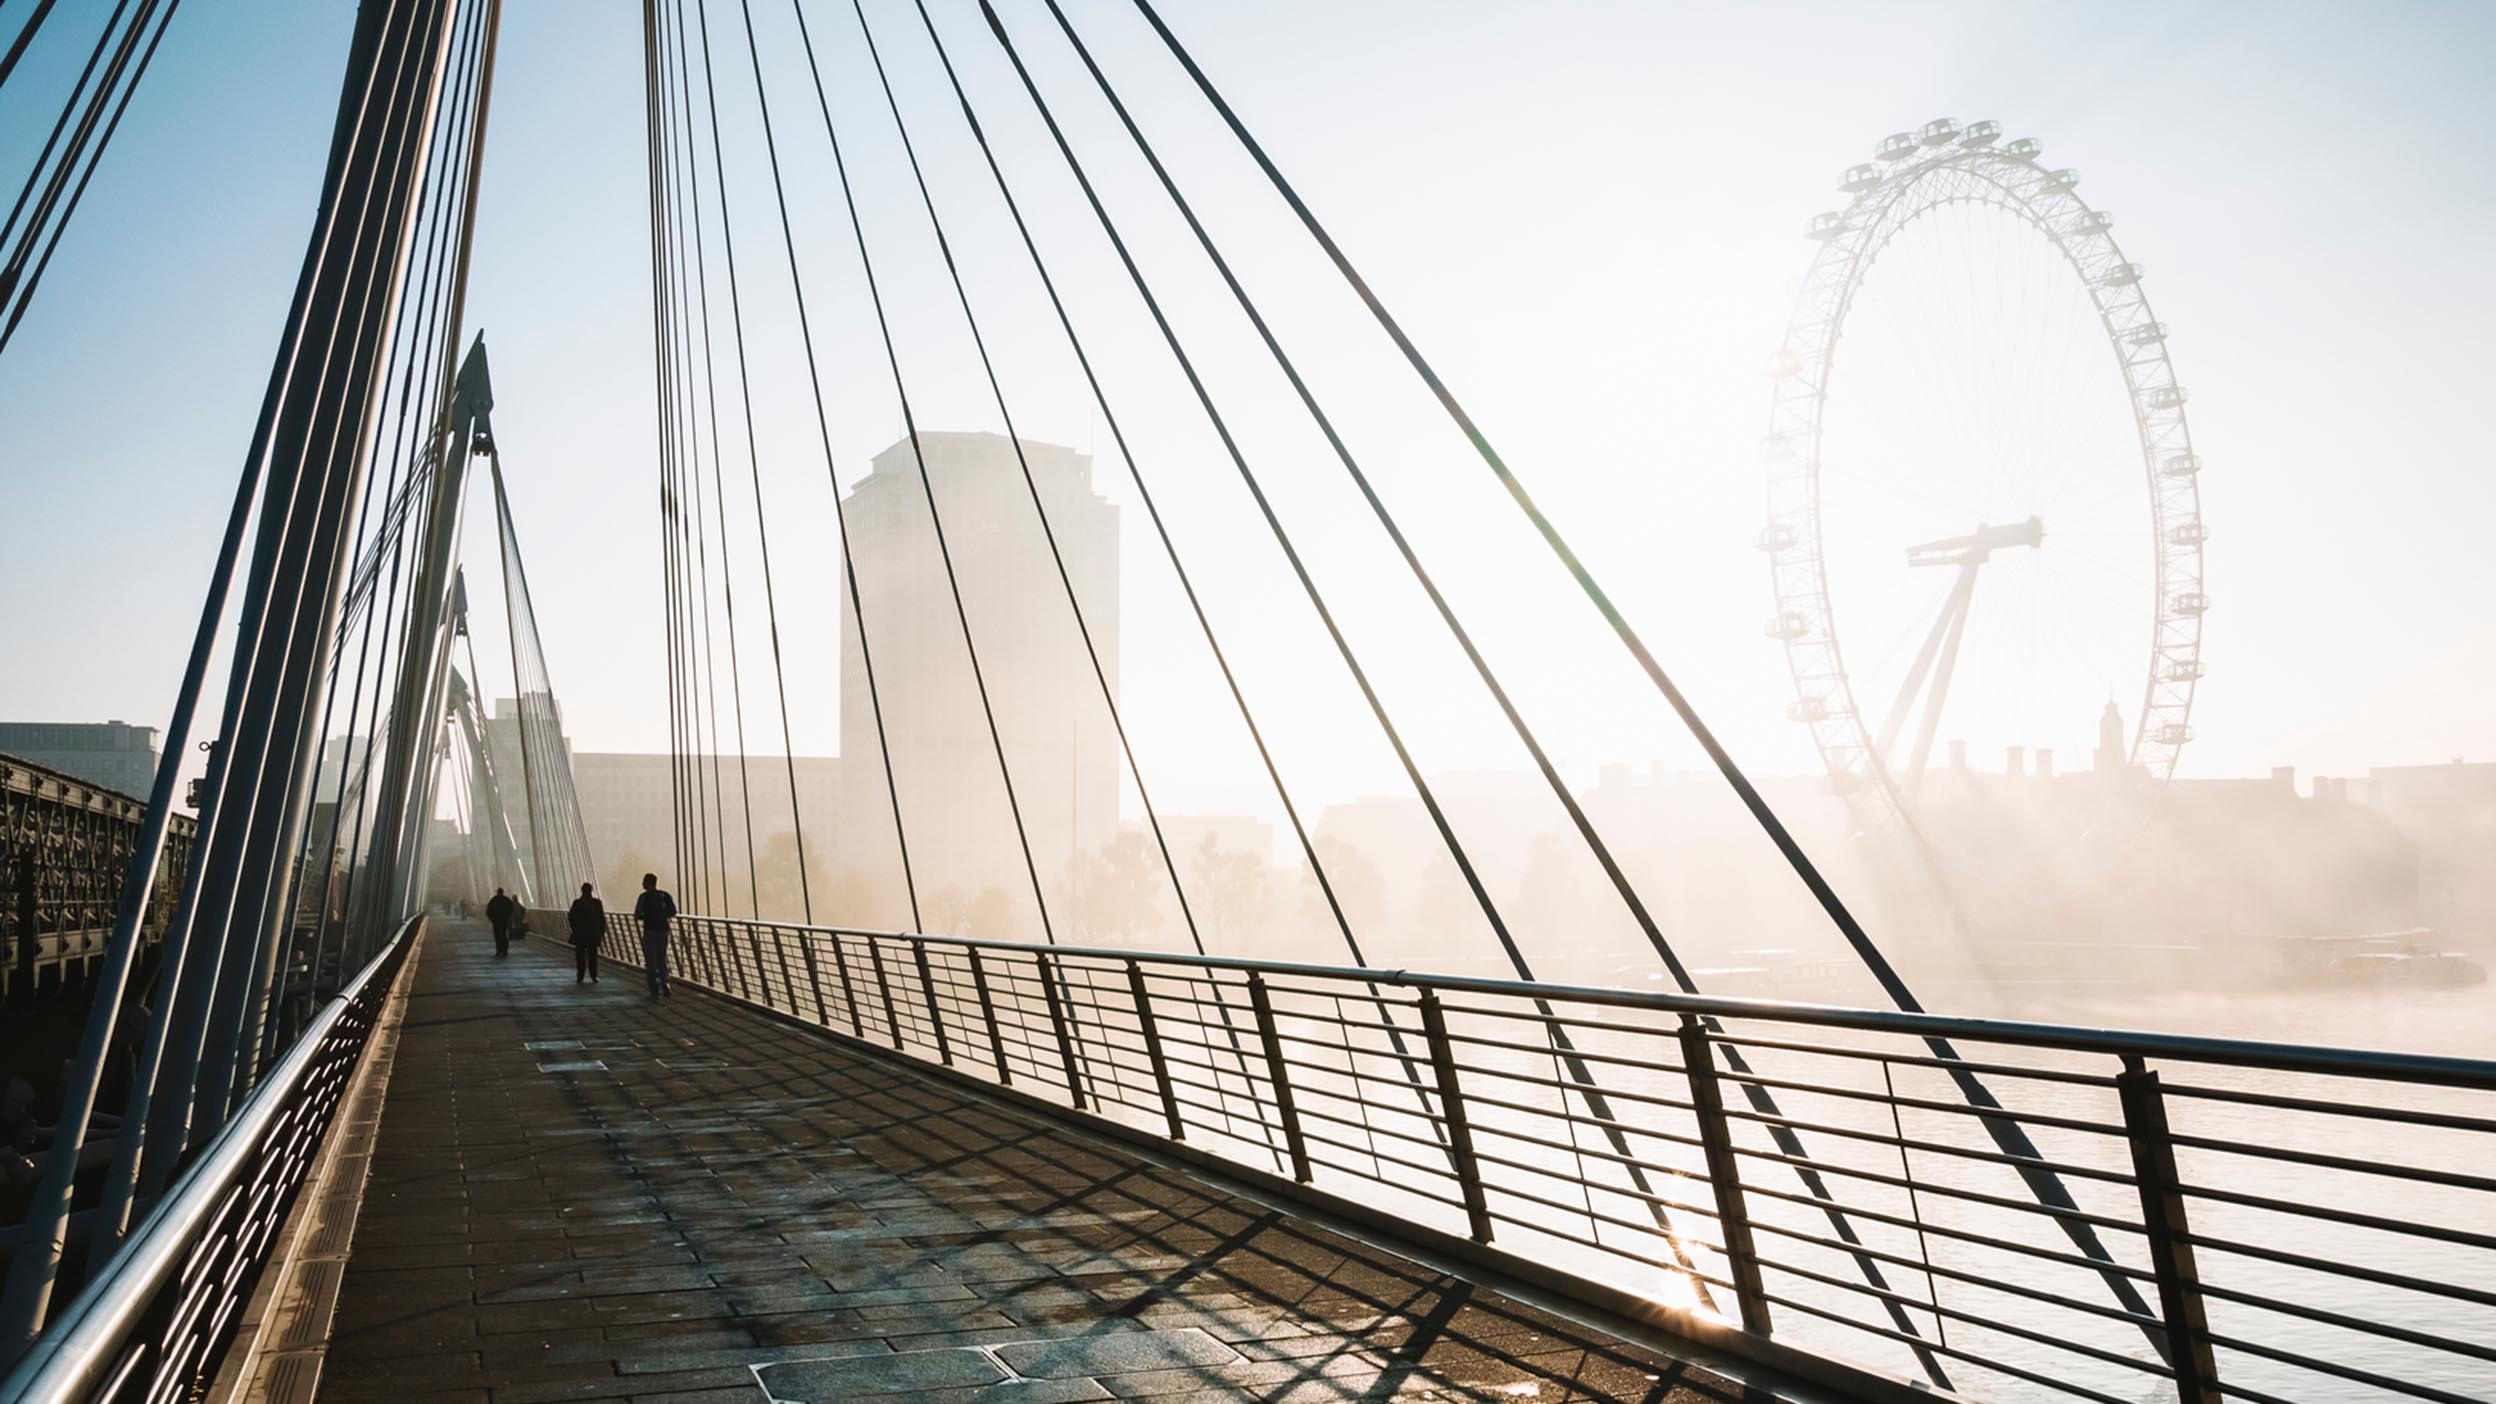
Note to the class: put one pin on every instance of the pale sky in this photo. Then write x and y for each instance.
(1589, 215)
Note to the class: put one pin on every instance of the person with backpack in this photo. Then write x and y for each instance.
(654, 909)
(588, 919)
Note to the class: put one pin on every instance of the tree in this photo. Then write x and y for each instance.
(1361, 891)
(1234, 898)
(780, 895)
(1117, 890)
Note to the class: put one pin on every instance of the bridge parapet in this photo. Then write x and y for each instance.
(64, 846)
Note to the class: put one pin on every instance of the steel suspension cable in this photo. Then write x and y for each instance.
(156, 1127)
(16, 281)
(715, 801)
(661, 362)
(823, 426)
(408, 453)
(337, 439)
(25, 36)
(1597, 1103)
(719, 492)
(1031, 485)
(684, 437)
(2012, 1139)
(1395, 1032)
(1759, 1096)
(762, 529)
(1144, 494)
(927, 485)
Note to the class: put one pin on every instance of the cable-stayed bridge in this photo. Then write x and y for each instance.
(321, 1141)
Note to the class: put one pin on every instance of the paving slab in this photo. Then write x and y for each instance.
(578, 1193)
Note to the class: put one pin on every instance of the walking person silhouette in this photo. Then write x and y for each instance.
(654, 909)
(499, 912)
(588, 920)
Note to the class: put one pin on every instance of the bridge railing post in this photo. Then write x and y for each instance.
(1279, 1074)
(1149, 1031)
(1063, 1028)
(927, 990)
(2188, 1350)
(884, 989)
(760, 978)
(814, 977)
(988, 1015)
(849, 986)
(1452, 1111)
(1724, 1175)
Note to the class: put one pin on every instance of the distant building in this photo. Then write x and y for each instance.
(113, 754)
(511, 769)
(2449, 811)
(1049, 711)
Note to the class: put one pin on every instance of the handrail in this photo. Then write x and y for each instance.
(1667, 1183)
(78, 1355)
(2476, 1073)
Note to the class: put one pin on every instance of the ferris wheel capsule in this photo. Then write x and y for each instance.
(2166, 397)
(1940, 131)
(1980, 133)
(1897, 146)
(2026, 148)
(2180, 465)
(1824, 226)
(1859, 179)
(2122, 275)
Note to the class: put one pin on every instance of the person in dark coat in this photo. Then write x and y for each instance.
(588, 919)
(499, 912)
(654, 909)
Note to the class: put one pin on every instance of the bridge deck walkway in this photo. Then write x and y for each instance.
(579, 1193)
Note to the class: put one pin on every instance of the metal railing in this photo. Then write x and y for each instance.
(154, 1325)
(1794, 1182)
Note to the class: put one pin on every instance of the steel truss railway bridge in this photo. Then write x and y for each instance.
(339, 1155)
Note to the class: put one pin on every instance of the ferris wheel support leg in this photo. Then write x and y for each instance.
(1962, 598)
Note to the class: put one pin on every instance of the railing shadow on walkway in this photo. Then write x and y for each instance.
(584, 1193)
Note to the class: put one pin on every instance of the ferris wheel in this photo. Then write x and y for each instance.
(1979, 445)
